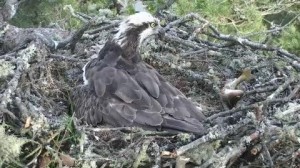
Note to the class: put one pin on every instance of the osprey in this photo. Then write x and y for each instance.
(121, 90)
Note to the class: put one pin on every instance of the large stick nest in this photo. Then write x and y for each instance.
(256, 126)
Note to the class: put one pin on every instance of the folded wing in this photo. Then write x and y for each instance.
(124, 94)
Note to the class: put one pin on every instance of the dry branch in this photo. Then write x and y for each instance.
(38, 85)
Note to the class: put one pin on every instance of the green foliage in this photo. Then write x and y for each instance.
(230, 17)
(130, 9)
(42, 13)
(91, 6)
(290, 39)
(49, 12)
(153, 6)
(70, 130)
(240, 17)
(247, 18)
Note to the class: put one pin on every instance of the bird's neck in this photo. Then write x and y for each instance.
(130, 47)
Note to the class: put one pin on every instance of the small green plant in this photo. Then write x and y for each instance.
(290, 39)
(248, 18)
(43, 13)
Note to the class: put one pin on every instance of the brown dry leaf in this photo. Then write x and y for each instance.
(44, 161)
(67, 160)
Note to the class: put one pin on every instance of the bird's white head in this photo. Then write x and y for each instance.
(136, 28)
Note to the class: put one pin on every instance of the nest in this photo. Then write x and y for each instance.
(249, 92)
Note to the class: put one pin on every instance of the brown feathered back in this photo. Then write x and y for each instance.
(129, 92)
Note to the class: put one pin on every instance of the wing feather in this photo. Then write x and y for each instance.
(146, 117)
(171, 123)
(148, 82)
(99, 87)
(124, 93)
(127, 93)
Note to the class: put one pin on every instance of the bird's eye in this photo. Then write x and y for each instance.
(153, 24)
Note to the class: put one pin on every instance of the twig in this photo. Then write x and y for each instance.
(239, 150)
(23, 109)
(258, 113)
(181, 161)
(181, 41)
(83, 15)
(216, 34)
(73, 13)
(127, 129)
(157, 155)
(6, 111)
(191, 74)
(9, 10)
(215, 133)
(203, 139)
(254, 45)
(266, 150)
(256, 149)
(103, 28)
(167, 5)
(72, 40)
(12, 84)
(37, 151)
(296, 154)
(274, 29)
(193, 52)
(9, 56)
(262, 90)
(229, 112)
(181, 20)
(294, 92)
(273, 81)
(293, 109)
(245, 108)
(23, 57)
(66, 58)
(141, 154)
(281, 88)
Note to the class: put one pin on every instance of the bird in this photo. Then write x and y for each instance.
(122, 90)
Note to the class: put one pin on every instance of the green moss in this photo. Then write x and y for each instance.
(290, 39)
(247, 18)
(70, 129)
(45, 12)
(130, 9)
(229, 17)
(153, 6)
(10, 148)
(240, 17)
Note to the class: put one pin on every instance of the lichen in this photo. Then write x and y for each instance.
(203, 152)
(10, 147)
(4, 30)
(6, 68)
(27, 54)
(287, 112)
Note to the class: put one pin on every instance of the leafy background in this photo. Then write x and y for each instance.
(251, 19)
